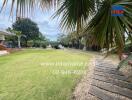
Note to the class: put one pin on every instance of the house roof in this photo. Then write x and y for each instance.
(4, 32)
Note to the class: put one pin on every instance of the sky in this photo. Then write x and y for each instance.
(48, 27)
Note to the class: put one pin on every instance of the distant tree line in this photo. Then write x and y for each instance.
(88, 42)
(72, 40)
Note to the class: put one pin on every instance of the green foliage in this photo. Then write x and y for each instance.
(18, 33)
(44, 45)
(63, 39)
(54, 43)
(28, 32)
(27, 27)
(30, 43)
(12, 40)
(128, 48)
(124, 62)
(89, 17)
(24, 7)
(39, 43)
(110, 31)
(74, 13)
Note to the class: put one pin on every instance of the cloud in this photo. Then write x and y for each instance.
(49, 27)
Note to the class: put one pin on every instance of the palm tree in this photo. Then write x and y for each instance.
(108, 30)
(25, 7)
(75, 13)
(94, 15)
(18, 34)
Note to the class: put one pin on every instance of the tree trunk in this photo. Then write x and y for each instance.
(19, 41)
(120, 51)
(78, 29)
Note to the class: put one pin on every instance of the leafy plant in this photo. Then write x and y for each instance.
(30, 43)
(125, 62)
(89, 17)
(109, 30)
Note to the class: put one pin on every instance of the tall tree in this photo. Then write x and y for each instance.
(18, 34)
(75, 13)
(109, 30)
(27, 27)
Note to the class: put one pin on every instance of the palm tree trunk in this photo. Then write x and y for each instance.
(78, 30)
(19, 41)
(120, 51)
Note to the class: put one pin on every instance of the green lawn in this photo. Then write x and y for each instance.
(24, 75)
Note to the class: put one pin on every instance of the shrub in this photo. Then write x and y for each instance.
(128, 48)
(30, 43)
(44, 46)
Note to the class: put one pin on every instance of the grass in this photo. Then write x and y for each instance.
(23, 75)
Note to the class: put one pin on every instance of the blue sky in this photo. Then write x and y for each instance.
(48, 26)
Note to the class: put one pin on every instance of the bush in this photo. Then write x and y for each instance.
(44, 46)
(39, 44)
(30, 43)
(128, 48)
(56, 47)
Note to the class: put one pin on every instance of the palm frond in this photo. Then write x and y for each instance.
(72, 11)
(24, 7)
(110, 30)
